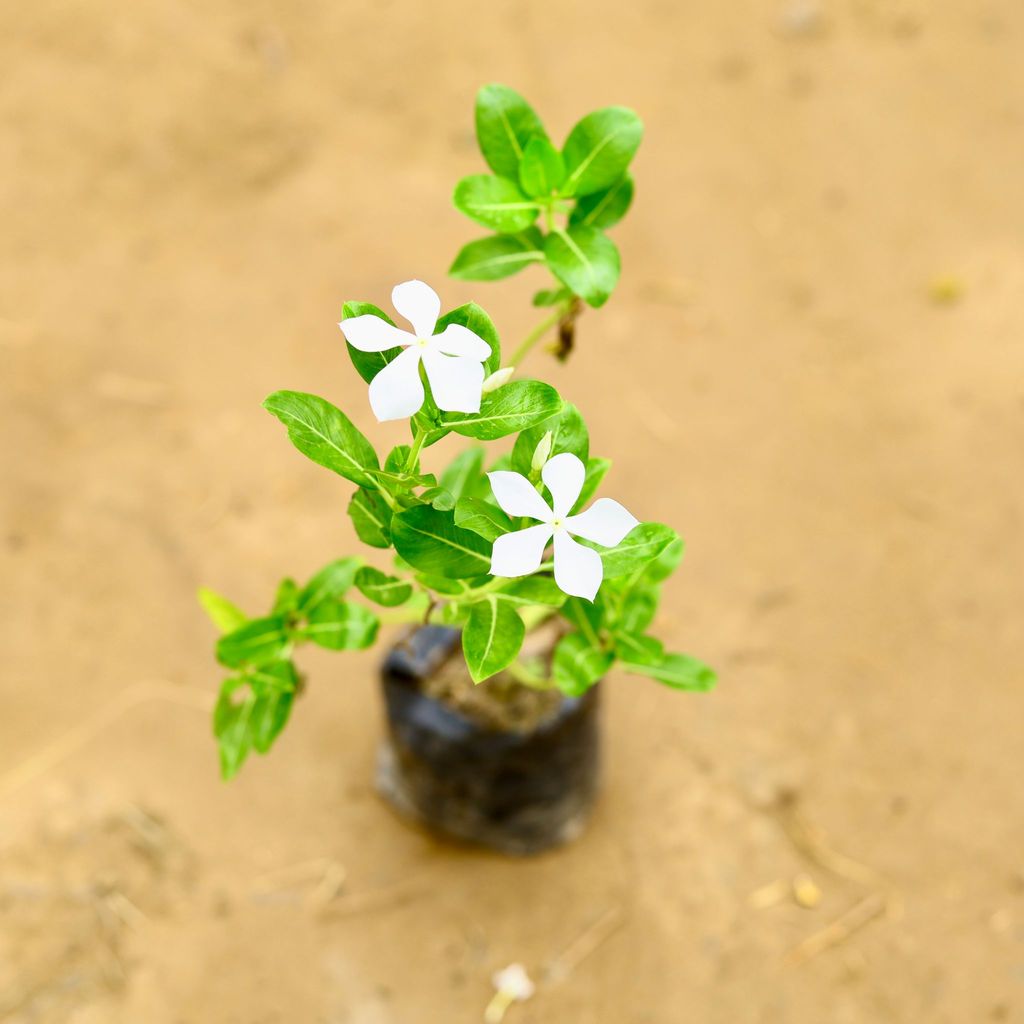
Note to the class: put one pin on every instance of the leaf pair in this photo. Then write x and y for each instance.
(588, 178)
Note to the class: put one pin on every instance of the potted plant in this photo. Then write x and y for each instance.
(518, 587)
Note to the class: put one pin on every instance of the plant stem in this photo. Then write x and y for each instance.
(521, 674)
(414, 452)
(535, 335)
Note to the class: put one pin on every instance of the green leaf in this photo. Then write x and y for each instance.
(639, 650)
(585, 260)
(429, 540)
(451, 588)
(371, 518)
(223, 614)
(400, 484)
(495, 202)
(495, 257)
(255, 721)
(505, 123)
(287, 597)
(568, 434)
(491, 638)
(679, 671)
(599, 149)
(324, 434)
(551, 296)
(257, 642)
(639, 606)
(512, 407)
(231, 726)
(532, 590)
(596, 470)
(439, 498)
(398, 457)
(482, 517)
(382, 589)
(368, 364)
(606, 208)
(542, 169)
(578, 664)
(329, 584)
(464, 475)
(473, 318)
(341, 626)
(642, 545)
(587, 617)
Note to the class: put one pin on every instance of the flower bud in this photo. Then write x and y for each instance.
(498, 378)
(541, 452)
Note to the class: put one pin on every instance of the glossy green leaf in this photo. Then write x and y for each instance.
(585, 260)
(226, 616)
(495, 257)
(257, 642)
(596, 470)
(599, 149)
(482, 517)
(381, 588)
(251, 711)
(578, 664)
(641, 546)
(473, 318)
(495, 202)
(639, 650)
(587, 617)
(542, 169)
(440, 498)
(341, 626)
(679, 671)
(323, 433)
(505, 123)
(551, 296)
(464, 475)
(515, 406)
(492, 637)
(287, 597)
(368, 364)
(429, 540)
(532, 590)
(371, 518)
(331, 583)
(568, 434)
(451, 588)
(606, 208)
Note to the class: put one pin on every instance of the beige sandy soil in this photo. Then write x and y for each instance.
(813, 367)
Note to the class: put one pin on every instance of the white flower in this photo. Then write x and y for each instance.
(453, 359)
(578, 569)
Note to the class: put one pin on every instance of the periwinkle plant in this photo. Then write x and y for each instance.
(470, 541)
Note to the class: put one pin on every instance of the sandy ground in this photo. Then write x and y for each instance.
(812, 367)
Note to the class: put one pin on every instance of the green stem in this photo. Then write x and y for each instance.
(521, 674)
(535, 335)
(414, 452)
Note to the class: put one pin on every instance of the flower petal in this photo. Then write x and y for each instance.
(369, 333)
(397, 391)
(520, 553)
(456, 340)
(563, 476)
(456, 382)
(578, 570)
(419, 304)
(517, 496)
(605, 522)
